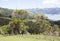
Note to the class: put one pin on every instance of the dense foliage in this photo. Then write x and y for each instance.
(29, 25)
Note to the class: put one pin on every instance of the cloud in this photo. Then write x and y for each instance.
(5, 0)
(51, 3)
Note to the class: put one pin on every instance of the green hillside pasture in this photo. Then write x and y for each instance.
(29, 38)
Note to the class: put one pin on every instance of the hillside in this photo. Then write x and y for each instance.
(29, 38)
(4, 12)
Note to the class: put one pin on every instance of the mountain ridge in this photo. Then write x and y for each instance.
(45, 10)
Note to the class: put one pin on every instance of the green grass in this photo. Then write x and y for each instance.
(29, 38)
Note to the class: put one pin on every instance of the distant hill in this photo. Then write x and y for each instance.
(4, 12)
(55, 22)
(45, 10)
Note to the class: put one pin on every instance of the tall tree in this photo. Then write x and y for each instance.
(20, 14)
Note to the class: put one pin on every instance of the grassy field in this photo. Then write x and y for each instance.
(29, 38)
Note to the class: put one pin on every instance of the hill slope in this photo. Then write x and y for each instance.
(4, 12)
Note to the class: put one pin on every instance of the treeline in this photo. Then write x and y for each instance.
(4, 12)
(23, 22)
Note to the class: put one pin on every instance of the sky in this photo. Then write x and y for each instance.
(27, 4)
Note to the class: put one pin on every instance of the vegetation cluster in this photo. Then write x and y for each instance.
(24, 22)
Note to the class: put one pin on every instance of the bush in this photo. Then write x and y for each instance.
(4, 29)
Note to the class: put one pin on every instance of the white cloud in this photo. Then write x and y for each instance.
(51, 3)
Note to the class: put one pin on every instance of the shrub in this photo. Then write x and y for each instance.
(4, 29)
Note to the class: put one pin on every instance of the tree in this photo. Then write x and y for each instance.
(4, 29)
(40, 17)
(21, 14)
(15, 25)
(55, 28)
